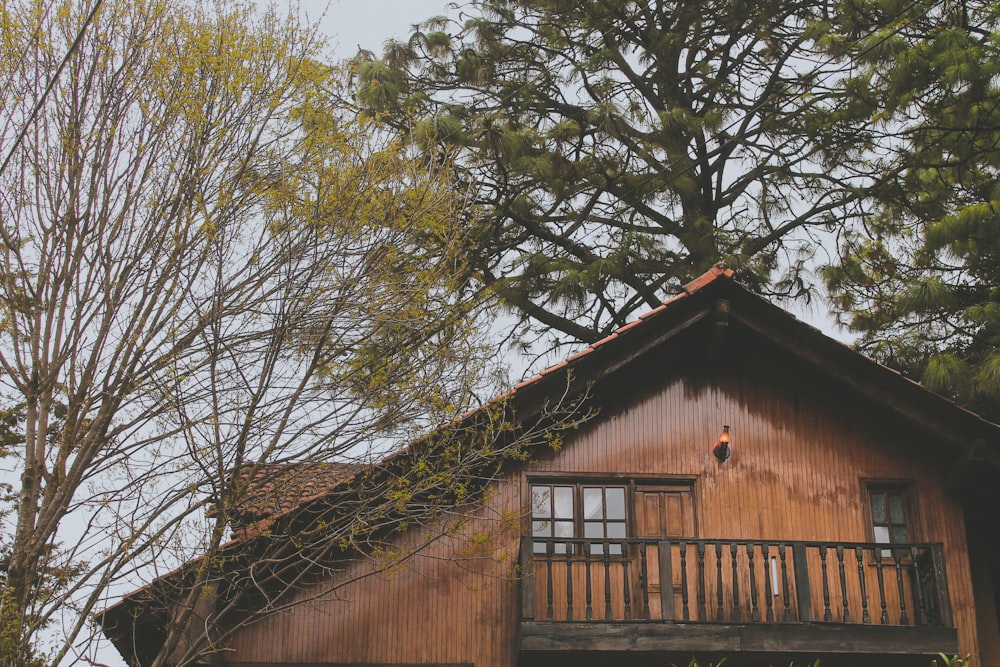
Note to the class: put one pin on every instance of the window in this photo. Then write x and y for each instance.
(552, 514)
(591, 511)
(604, 515)
(888, 514)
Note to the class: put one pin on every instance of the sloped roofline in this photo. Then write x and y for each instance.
(968, 433)
(975, 438)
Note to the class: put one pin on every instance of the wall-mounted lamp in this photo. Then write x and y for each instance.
(723, 450)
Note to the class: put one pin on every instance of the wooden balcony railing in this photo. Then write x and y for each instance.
(734, 582)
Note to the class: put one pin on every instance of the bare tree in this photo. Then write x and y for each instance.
(305, 532)
(204, 271)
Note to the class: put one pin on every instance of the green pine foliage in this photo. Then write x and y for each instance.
(920, 281)
(620, 149)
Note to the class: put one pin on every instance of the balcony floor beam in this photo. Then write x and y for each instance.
(813, 638)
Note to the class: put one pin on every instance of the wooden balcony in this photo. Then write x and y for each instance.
(684, 595)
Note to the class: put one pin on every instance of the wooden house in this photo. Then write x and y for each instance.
(749, 488)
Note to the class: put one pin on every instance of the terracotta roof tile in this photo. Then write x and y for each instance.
(628, 326)
(525, 383)
(658, 309)
(279, 488)
(707, 277)
(584, 351)
(607, 339)
(553, 369)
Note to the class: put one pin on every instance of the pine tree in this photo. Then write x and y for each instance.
(920, 281)
(622, 148)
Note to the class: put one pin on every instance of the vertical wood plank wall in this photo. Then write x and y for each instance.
(455, 601)
(800, 453)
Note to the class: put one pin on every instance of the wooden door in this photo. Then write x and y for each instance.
(663, 512)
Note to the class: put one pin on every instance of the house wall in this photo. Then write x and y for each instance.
(452, 600)
(801, 450)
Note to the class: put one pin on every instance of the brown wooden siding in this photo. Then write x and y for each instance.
(801, 453)
(800, 456)
(452, 602)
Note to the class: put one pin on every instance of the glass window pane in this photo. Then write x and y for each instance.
(615, 501)
(616, 530)
(616, 549)
(593, 503)
(878, 507)
(564, 528)
(899, 534)
(541, 501)
(541, 529)
(896, 509)
(598, 548)
(593, 530)
(882, 534)
(563, 502)
(539, 547)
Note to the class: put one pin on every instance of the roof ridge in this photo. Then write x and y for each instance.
(720, 269)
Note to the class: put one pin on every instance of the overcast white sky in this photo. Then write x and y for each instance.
(369, 23)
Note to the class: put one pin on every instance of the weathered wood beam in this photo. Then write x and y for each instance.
(811, 638)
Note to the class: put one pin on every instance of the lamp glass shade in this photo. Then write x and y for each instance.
(722, 449)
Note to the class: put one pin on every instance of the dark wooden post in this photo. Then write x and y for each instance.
(768, 592)
(941, 583)
(737, 616)
(787, 613)
(918, 588)
(702, 613)
(827, 614)
(720, 611)
(754, 608)
(589, 613)
(644, 578)
(803, 597)
(666, 581)
(846, 617)
(569, 581)
(686, 612)
(859, 556)
(527, 580)
(904, 619)
(880, 577)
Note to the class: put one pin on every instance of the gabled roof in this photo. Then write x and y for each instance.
(718, 302)
(723, 307)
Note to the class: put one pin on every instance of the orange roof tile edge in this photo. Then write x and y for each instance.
(707, 277)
